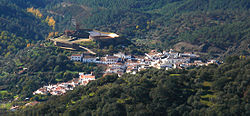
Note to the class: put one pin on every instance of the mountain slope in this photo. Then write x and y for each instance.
(164, 23)
(208, 90)
(18, 21)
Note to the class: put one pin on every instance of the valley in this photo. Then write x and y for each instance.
(126, 57)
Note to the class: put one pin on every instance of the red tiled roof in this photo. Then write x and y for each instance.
(76, 55)
(89, 57)
(87, 76)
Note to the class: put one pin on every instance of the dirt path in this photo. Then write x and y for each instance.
(90, 51)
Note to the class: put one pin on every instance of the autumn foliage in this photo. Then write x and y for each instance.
(51, 34)
(51, 21)
(36, 12)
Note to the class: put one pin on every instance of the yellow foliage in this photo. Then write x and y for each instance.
(175, 75)
(50, 21)
(51, 34)
(152, 22)
(137, 26)
(28, 45)
(121, 101)
(92, 94)
(36, 12)
(208, 96)
(242, 57)
(73, 102)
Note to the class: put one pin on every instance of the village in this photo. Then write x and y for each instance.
(121, 63)
(118, 63)
(62, 88)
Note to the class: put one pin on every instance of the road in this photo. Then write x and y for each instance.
(90, 51)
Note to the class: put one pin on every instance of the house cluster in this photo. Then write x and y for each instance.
(120, 63)
(61, 88)
(99, 60)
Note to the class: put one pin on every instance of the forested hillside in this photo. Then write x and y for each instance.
(18, 21)
(212, 90)
(20, 28)
(36, 66)
(211, 28)
(214, 27)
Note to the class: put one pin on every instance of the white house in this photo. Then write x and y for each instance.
(120, 55)
(164, 65)
(89, 59)
(76, 57)
(112, 59)
(41, 91)
(84, 79)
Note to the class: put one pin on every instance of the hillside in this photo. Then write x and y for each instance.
(158, 24)
(19, 28)
(210, 28)
(18, 21)
(216, 27)
(212, 90)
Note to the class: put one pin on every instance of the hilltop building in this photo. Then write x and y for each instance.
(90, 34)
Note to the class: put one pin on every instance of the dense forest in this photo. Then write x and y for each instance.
(211, 28)
(18, 21)
(216, 28)
(211, 90)
(36, 66)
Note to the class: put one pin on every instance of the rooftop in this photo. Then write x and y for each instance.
(76, 55)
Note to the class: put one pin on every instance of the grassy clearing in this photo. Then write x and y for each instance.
(16, 96)
(59, 80)
(175, 75)
(208, 96)
(4, 92)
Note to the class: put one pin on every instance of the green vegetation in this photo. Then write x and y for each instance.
(174, 75)
(18, 21)
(3, 92)
(11, 44)
(155, 92)
(45, 65)
(208, 96)
(212, 27)
(5, 106)
(215, 28)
